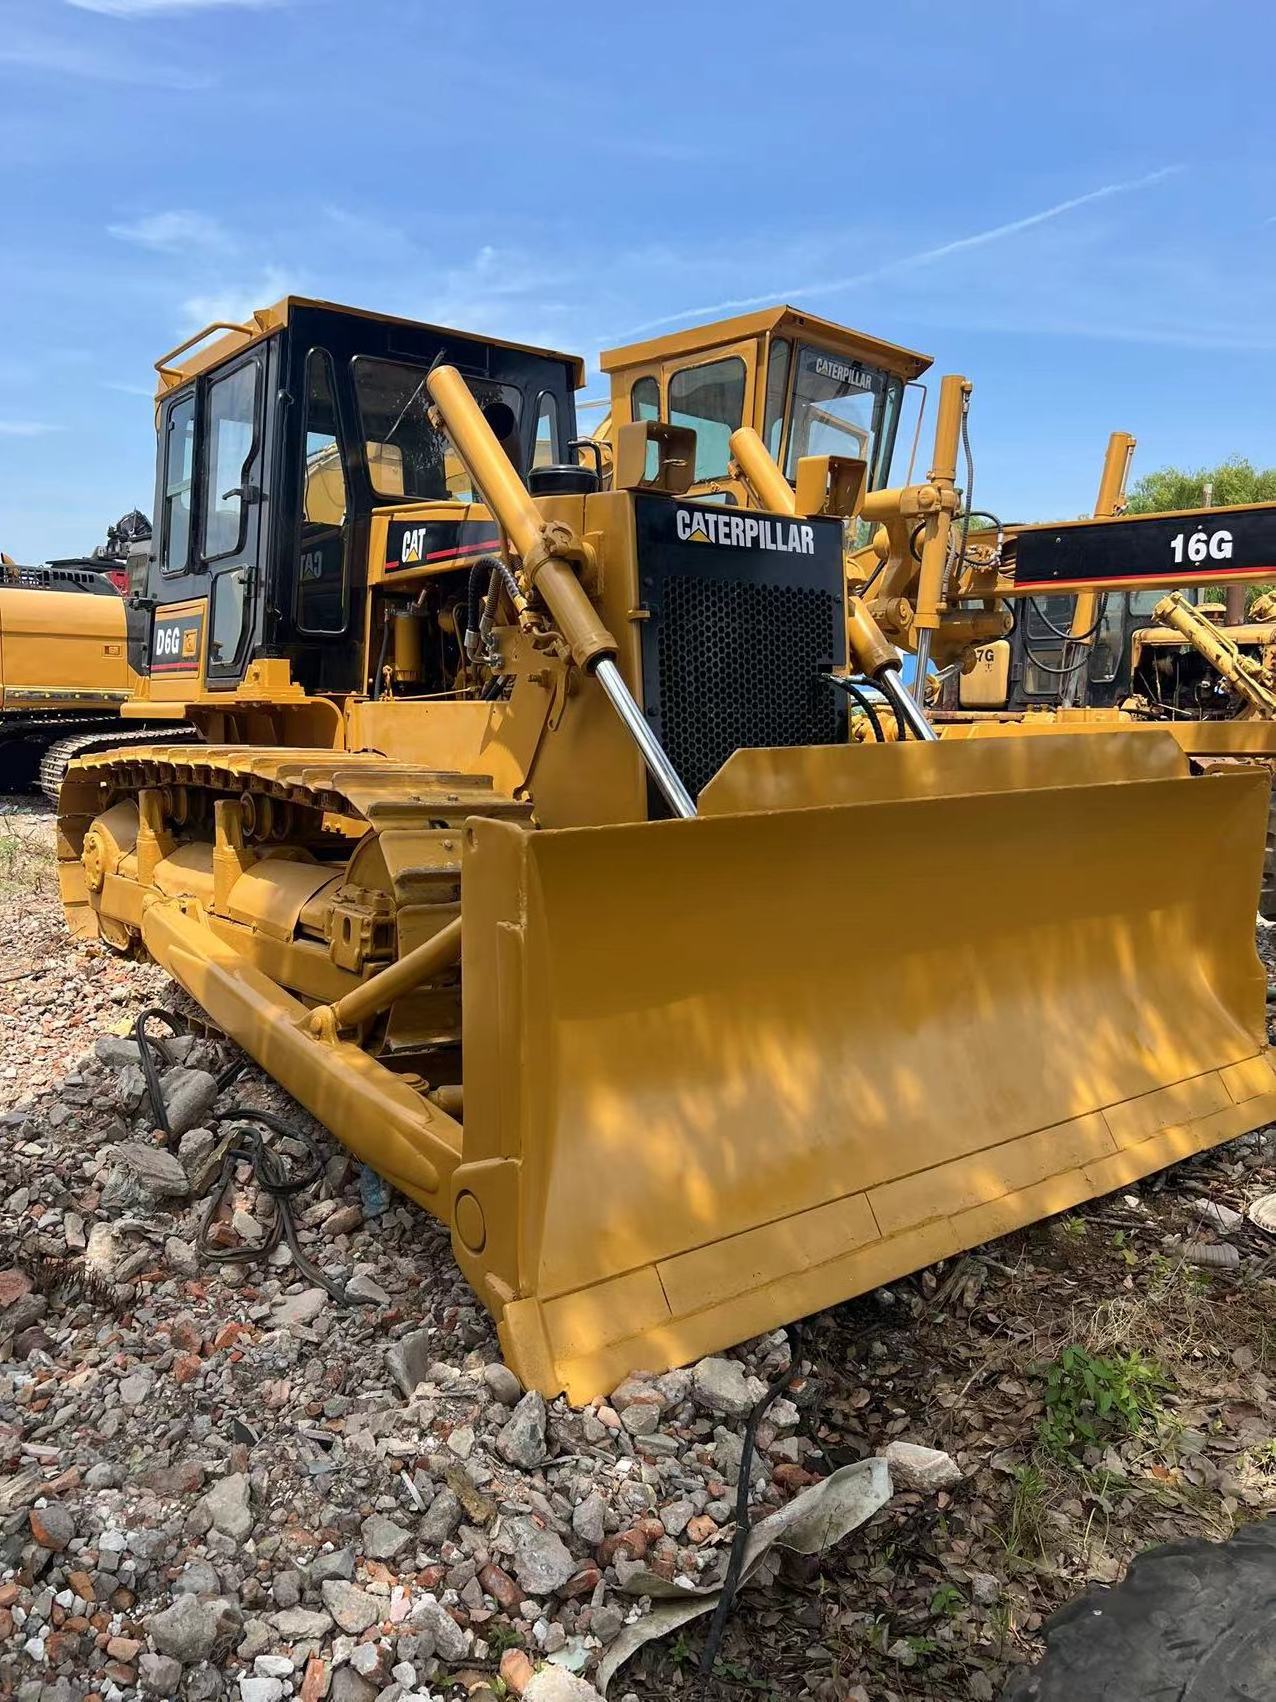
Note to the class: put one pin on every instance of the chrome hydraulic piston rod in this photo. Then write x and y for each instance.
(546, 551)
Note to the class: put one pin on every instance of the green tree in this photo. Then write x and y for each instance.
(1233, 481)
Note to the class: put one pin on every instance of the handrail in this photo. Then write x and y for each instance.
(162, 364)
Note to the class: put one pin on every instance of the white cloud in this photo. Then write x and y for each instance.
(146, 390)
(151, 8)
(236, 302)
(26, 428)
(67, 59)
(174, 231)
(911, 262)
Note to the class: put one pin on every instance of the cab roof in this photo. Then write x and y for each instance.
(197, 354)
(780, 320)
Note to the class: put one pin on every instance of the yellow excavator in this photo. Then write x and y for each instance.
(526, 847)
(64, 663)
(70, 647)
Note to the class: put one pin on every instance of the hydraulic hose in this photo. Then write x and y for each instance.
(866, 704)
(385, 651)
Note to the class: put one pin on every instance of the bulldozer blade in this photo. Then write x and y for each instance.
(723, 1072)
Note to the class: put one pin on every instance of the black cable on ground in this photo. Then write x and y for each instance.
(731, 1581)
(274, 1175)
(148, 1045)
(275, 1178)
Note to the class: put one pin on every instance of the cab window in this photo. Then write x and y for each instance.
(179, 468)
(229, 447)
(321, 558)
(709, 399)
(777, 385)
(644, 400)
(837, 408)
(1108, 640)
(546, 450)
(406, 456)
(1044, 619)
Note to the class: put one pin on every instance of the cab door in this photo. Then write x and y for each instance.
(228, 544)
(713, 393)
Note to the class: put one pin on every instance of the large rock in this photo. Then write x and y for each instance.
(556, 1684)
(52, 1526)
(409, 1359)
(440, 1520)
(193, 1630)
(587, 1519)
(502, 1384)
(228, 1508)
(522, 1438)
(115, 1052)
(338, 1564)
(159, 1675)
(436, 1624)
(136, 1387)
(302, 1624)
(198, 1578)
(103, 1252)
(539, 1560)
(350, 1686)
(262, 1689)
(918, 1468)
(189, 1096)
(724, 1386)
(301, 1308)
(353, 1609)
(158, 1172)
(383, 1539)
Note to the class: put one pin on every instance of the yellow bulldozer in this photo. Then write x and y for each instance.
(526, 847)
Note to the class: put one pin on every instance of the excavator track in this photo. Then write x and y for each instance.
(86, 741)
(25, 738)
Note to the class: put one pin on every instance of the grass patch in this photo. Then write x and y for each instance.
(26, 854)
(1093, 1399)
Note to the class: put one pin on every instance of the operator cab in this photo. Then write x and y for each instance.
(280, 443)
(1029, 669)
(808, 386)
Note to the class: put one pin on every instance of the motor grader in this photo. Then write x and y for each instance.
(527, 849)
(1116, 651)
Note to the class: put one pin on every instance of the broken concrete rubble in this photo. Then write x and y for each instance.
(247, 1478)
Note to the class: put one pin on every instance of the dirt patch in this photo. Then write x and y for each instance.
(1101, 1392)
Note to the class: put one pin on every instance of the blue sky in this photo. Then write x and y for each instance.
(1074, 204)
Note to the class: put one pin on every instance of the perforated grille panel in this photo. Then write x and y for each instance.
(738, 665)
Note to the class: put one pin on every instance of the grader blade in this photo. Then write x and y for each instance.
(723, 1072)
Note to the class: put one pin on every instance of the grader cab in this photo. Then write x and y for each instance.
(806, 385)
(525, 846)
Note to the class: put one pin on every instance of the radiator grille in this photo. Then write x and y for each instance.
(739, 668)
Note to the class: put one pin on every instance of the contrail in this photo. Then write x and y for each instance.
(907, 262)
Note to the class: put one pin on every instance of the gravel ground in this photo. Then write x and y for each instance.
(217, 1480)
(221, 1480)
